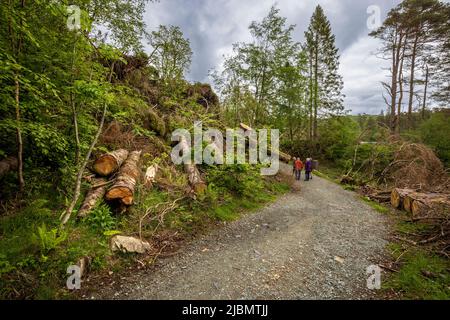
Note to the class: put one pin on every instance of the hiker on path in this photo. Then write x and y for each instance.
(298, 166)
(308, 169)
(293, 164)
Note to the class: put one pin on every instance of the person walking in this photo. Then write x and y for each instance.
(293, 165)
(298, 166)
(308, 169)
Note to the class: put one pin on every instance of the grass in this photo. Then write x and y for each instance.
(407, 227)
(33, 264)
(422, 275)
(329, 172)
(35, 253)
(375, 205)
(235, 207)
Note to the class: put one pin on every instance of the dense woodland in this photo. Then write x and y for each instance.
(72, 99)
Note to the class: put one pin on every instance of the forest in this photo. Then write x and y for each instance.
(87, 113)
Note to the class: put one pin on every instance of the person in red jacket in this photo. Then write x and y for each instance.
(298, 166)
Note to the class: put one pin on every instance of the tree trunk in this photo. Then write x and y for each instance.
(398, 196)
(413, 196)
(400, 84)
(94, 195)
(195, 180)
(129, 173)
(19, 136)
(316, 90)
(431, 205)
(411, 80)
(396, 50)
(76, 194)
(425, 92)
(110, 162)
(310, 96)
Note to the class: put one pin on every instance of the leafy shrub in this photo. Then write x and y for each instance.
(436, 132)
(48, 239)
(100, 218)
(243, 180)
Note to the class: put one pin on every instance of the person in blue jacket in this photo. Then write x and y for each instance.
(308, 169)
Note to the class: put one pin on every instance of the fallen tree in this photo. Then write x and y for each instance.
(413, 196)
(123, 187)
(283, 156)
(195, 180)
(110, 162)
(431, 205)
(94, 195)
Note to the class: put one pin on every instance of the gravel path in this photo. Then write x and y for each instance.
(315, 243)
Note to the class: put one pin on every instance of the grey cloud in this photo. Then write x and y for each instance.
(212, 26)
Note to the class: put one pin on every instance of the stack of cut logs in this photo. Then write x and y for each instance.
(117, 174)
(121, 164)
(419, 203)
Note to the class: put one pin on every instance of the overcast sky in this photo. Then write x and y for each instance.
(212, 26)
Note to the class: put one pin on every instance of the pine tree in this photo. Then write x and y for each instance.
(441, 66)
(325, 84)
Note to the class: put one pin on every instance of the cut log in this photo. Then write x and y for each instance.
(94, 195)
(8, 164)
(123, 188)
(411, 197)
(150, 175)
(195, 180)
(110, 162)
(380, 197)
(398, 195)
(424, 206)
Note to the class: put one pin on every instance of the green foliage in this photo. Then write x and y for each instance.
(100, 218)
(337, 134)
(171, 52)
(325, 86)
(48, 239)
(265, 75)
(242, 180)
(436, 132)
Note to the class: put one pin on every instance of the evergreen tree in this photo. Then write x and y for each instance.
(325, 83)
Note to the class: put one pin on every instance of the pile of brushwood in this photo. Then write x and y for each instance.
(411, 179)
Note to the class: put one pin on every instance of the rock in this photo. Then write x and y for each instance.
(339, 259)
(129, 244)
